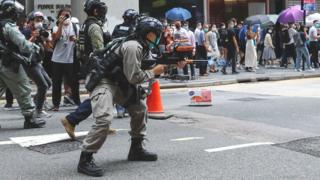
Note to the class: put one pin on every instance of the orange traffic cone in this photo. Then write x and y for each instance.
(154, 103)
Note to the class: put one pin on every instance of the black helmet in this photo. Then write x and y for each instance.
(11, 8)
(149, 24)
(130, 14)
(102, 8)
(146, 25)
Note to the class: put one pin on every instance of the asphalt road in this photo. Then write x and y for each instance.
(281, 118)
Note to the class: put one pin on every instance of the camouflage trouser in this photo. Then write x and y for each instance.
(19, 85)
(102, 99)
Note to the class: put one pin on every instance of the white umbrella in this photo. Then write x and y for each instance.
(311, 18)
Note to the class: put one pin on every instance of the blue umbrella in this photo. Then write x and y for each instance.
(178, 14)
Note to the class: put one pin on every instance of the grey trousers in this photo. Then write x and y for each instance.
(19, 85)
(102, 99)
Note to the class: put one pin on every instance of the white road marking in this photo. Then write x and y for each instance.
(28, 141)
(6, 142)
(187, 139)
(43, 139)
(237, 146)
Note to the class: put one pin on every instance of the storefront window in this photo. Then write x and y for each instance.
(223, 10)
(158, 8)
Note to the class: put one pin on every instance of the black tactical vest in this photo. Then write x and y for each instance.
(7, 60)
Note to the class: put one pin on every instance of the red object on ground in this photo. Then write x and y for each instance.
(154, 101)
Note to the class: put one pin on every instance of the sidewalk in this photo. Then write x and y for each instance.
(216, 79)
(263, 74)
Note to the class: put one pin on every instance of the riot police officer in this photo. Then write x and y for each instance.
(128, 26)
(108, 91)
(93, 33)
(12, 75)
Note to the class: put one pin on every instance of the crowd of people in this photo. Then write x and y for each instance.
(244, 47)
(64, 54)
(58, 51)
(213, 49)
(57, 64)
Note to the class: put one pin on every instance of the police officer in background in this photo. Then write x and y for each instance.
(123, 30)
(93, 33)
(107, 92)
(12, 75)
(128, 26)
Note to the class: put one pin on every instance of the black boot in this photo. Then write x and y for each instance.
(138, 153)
(30, 122)
(87, 166)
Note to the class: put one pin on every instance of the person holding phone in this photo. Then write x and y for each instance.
(64, 35)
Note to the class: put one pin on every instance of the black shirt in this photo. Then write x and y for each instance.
(229, 41)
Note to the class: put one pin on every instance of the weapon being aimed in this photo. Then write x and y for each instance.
(168, 59)
(9, 54)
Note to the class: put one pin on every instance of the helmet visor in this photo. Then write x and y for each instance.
(102, 11)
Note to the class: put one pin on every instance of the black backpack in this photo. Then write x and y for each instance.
(105, 63)
(223, 37)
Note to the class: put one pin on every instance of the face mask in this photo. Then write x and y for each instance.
(223, 27)
(165, 24)
(231, 26)
(38, 25)
(152, 45)
(206, 30)
(270, 31)
(186, 27)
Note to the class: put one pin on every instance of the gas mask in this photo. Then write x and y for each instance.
(102, 12)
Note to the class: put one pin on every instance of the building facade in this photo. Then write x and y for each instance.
(210, 11)
(214, 11)
(51, 7)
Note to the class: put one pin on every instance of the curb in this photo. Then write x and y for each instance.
(241, 80)
(280, 77)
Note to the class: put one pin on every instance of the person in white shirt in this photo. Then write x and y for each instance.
(193, 43)
(64, 34)
(180, 38)
(214, 52)
(268, 52)
(313, 38)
